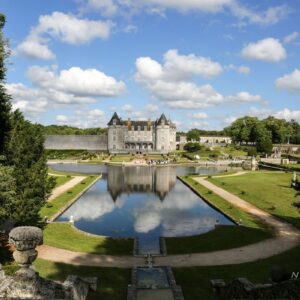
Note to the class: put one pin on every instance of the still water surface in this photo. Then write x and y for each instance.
(142, 202)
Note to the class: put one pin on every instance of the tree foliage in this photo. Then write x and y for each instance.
(5, 105)
(8, 199)
(25, 152)
(192, 147)
(264, 132)
(68, 130)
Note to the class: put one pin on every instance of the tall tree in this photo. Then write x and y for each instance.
(25, 152)
(193, 134)
(5, 105)
(8, 199)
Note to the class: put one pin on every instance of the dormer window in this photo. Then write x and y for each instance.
(114, 121)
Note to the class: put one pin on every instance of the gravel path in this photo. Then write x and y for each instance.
(286, 237)
(65, 187)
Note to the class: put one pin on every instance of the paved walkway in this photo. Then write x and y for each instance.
(65, 187)
(287, 237)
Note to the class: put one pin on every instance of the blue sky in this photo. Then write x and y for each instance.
(203, 63)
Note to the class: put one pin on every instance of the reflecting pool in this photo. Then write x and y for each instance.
(143, 202)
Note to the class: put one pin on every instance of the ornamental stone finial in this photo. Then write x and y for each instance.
(25, 239)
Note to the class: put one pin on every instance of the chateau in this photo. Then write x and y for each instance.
(122, 137)
(141, 136)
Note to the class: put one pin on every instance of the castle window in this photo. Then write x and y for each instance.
(139, 128)
(114, 147)
(114, 138)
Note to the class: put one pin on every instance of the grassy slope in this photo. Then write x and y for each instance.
(112, 282)
(62, 235)
(52, 207)
(253, 230)
(60, 180)
(195, 281)
(269, 191)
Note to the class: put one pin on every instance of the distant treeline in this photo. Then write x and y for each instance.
(69, 130)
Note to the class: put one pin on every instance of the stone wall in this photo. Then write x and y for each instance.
(76, 142)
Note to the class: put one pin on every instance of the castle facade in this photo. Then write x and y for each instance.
(127, 136)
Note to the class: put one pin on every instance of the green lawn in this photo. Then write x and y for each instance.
(121, 158)
(54, 206)
(62, 235)
(269, 191)
(112, 282)
(195, 281)
(292, 166)
(218, 239)
(60, 180)
(233, 151)
(253, 230)
(224, 206)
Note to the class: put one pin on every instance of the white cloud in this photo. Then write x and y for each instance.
(64, 27)
(211, 6)
(289, 82)
(269, 50)
(151, 108)
(70, 87)
(105, 7)
(83, 119)
(176, 67)
(185, 94)
(170, 82)
(288, 114)
(291, 37)
(244, 97)
(200, 115)
(35, 48)
(245, 14)
(269, 17)
(87, 83)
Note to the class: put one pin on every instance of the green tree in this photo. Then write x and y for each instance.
(263, 138)
(242, 130)
(192, 147)
(8, 199)
(25, 152)
(5, 105)
(193, 134)
(279, 128)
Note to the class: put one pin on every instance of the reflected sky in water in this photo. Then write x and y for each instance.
(143, 202)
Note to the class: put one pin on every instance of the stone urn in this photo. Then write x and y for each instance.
(26, 239)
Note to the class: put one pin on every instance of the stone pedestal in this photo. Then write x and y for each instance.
(26, 282)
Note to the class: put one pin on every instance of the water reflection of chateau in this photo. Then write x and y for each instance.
(142, 179)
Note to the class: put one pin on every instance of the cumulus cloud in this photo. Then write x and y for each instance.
(291, 37)
(288, 114)
(289, 82)
(245, 14)
(244, 97)
(64, 27)
(185, 94)
(83, 118)
(68, 87)
(34, 47)
(169, 82)
(176, 67)
(88, 82)
(269, 50)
